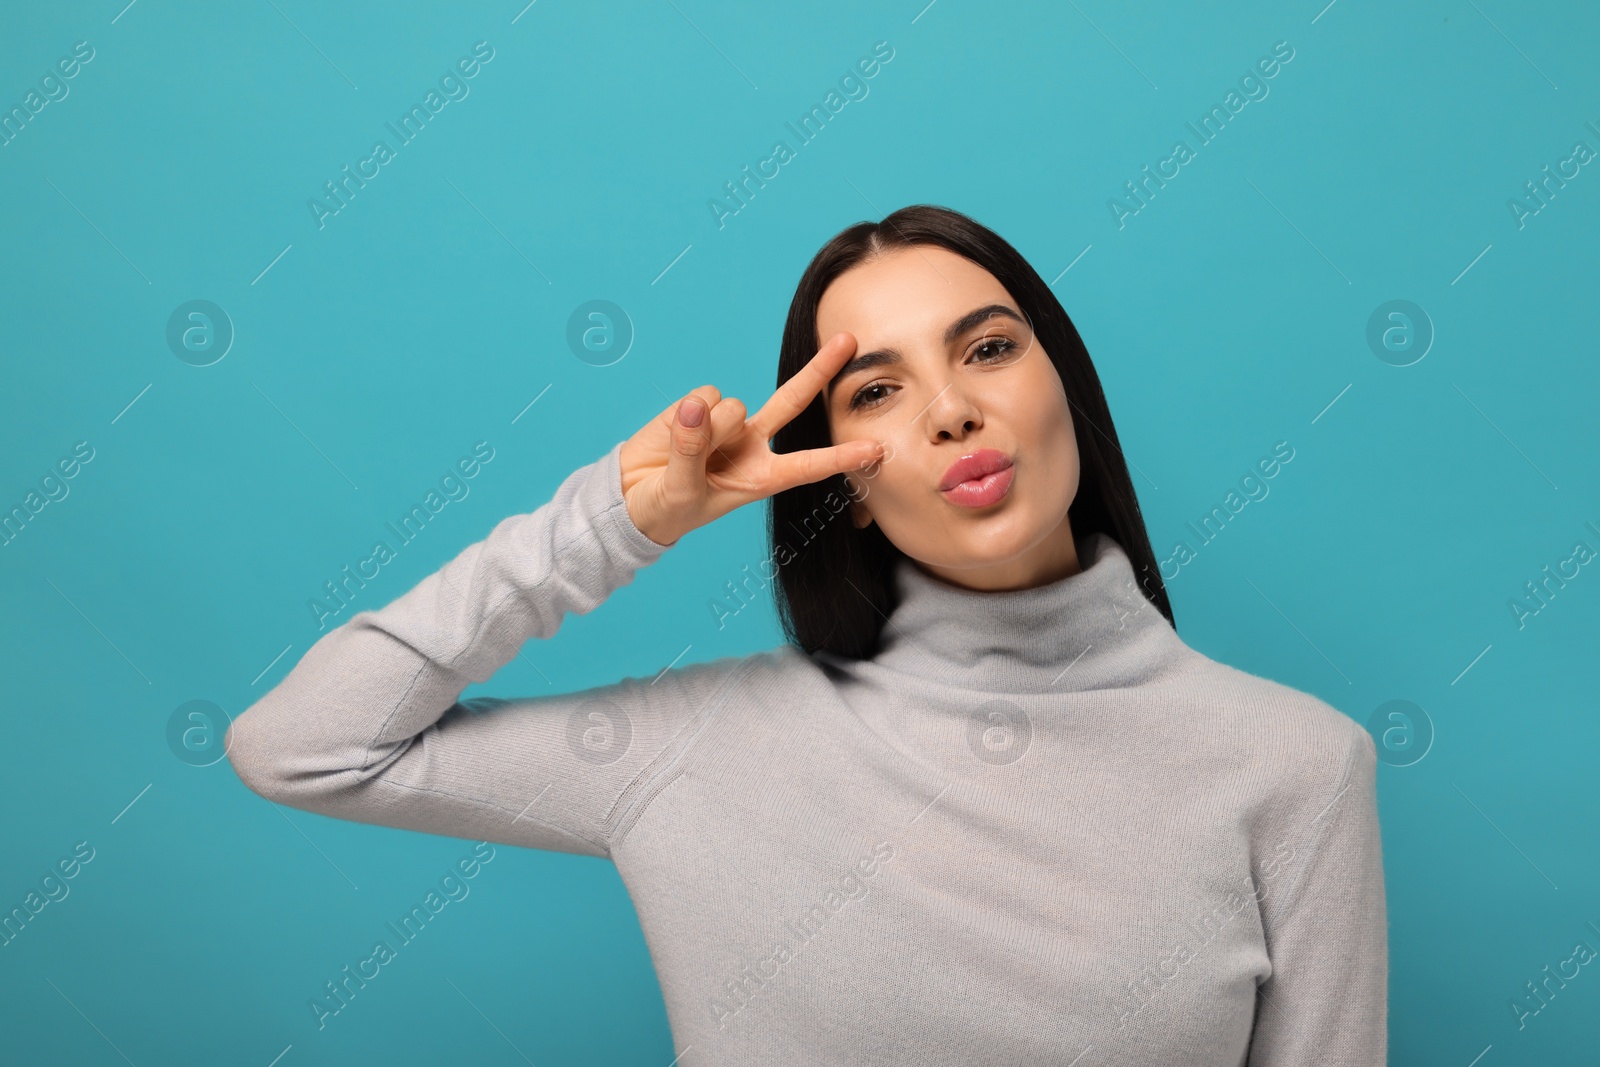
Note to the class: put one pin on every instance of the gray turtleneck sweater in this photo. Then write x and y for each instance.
(1035, 828)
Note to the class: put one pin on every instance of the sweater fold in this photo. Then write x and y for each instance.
(1090, 630)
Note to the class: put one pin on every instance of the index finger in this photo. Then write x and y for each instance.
(796, 393)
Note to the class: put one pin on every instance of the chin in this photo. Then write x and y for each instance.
(982, 550)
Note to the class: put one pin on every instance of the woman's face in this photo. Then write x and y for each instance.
(946, 366)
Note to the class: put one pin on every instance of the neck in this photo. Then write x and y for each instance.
(1093, 629)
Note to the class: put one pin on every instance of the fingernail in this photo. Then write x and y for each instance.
(691, 412)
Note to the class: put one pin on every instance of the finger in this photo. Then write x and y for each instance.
(669, 414)
(685, 478)
(727, 420)
(790, 469)
(797, 393)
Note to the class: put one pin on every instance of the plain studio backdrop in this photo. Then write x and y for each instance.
(244, 345)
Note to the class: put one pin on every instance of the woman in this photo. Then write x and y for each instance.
(984, 806)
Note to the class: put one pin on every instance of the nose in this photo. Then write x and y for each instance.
(952, 414)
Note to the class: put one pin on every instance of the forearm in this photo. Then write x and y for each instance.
(364, 691)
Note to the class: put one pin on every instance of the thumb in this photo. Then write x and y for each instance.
(685, 478)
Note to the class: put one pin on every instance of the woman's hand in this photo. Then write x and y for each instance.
(701, 458)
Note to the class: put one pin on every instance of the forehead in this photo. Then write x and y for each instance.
(905, 292)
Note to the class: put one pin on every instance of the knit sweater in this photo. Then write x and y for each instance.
(1035, 828)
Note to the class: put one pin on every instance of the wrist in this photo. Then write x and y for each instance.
(648, 529)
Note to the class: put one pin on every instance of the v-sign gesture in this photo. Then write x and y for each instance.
(682, 470)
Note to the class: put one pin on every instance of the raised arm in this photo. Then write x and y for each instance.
(1326, 1002)
(368, 725)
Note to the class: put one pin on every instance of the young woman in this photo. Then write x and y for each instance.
(984, 806)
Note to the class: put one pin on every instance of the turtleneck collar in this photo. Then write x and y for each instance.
(1090, 630)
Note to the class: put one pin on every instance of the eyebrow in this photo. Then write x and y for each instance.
(884, 357)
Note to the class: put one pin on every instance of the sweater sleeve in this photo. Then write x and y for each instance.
(1326, 1001)
(369, 726)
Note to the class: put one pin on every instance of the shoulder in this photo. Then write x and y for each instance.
(783, 664)
(1294, 743)
(709, 682)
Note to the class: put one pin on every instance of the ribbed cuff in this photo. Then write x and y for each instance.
(613, 520)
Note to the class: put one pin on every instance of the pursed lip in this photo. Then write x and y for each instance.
(974, 465)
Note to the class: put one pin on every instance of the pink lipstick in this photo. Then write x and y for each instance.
(977, 479)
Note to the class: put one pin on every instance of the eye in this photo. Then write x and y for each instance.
(862, 399)
(998, 346)
(989, 350)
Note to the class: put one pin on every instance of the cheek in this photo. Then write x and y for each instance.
(1063, 445)
(1045, 425)
(1051, 418)
(1035, 410)
(890, 490)
(1060, 453)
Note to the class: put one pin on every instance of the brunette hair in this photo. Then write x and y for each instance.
(835, 590)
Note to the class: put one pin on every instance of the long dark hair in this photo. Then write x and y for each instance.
(835, 582)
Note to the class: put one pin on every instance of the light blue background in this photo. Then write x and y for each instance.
(1226, 316)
